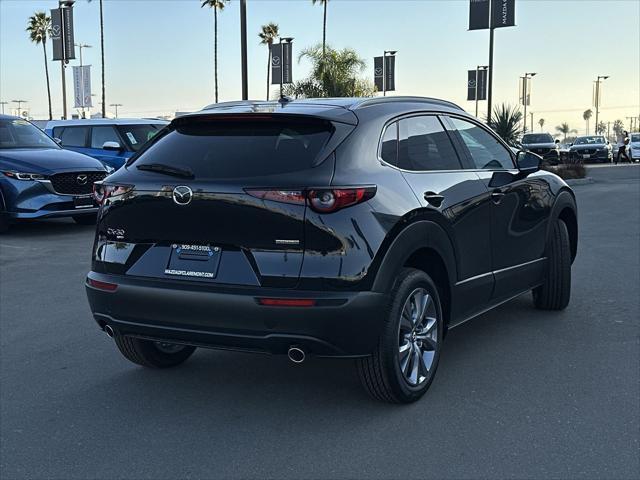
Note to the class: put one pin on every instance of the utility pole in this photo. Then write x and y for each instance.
(490, 92)
(596, 96)
(19, 102)
(531, 113)
(478, 68)
(384, 69)
(525, 97)
(116, 105)
(243, 48)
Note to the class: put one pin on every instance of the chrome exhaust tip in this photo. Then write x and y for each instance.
(296, 355)
(108, 329)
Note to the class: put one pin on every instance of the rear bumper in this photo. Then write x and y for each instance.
(341, 324)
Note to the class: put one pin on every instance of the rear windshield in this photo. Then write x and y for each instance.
(231, 149)
(537, 138)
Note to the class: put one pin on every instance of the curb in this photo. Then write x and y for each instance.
(579, 181)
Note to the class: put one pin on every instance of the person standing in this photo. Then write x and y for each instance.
(623, 145)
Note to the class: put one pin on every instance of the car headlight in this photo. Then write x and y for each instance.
(25, 176)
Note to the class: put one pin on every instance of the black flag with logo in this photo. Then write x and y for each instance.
(69, 40)
(281, 63)
(502, 13)
(378, 73)
(477, 82)
(390, 73)
(56, 34)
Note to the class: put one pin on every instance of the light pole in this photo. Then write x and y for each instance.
(3, 104)
(525, 96)
(386, 53)
(62, 4)
(80, 47)
(19, 102)
(116, 105)
(286, 40)
(597, 95)
(531, 114)
(478, 68)
(243, 49)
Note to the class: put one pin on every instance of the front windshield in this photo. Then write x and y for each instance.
(635, 138)
(589, 140)
(137, 135)
(537, 138)
(18, 133)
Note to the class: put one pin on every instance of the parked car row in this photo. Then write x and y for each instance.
(585, 149)
(45, 176)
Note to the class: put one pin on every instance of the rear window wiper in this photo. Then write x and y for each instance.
(166, 170)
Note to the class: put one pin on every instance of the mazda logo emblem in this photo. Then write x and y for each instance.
(182, 195)
(81, 179)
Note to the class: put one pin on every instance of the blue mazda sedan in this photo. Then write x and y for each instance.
(38, 179)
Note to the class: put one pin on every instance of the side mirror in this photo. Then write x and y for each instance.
(571, 144)
(528, 162)
(111, 146)
(58, 141)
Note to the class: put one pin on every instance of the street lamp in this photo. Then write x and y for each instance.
(3, 104)
(525, 96)
(19, 102)
(285, 40)
(597, 96)
(390, 53)
(116, 105)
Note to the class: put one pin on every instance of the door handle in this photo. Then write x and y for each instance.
(496, 196)
(433, 198)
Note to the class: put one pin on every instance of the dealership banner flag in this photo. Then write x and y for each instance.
(56, 34)
(477, 82)
(82, 86)
(390, 73)
(378, 73)
(281, 63)
(502, 13)
(67, 29)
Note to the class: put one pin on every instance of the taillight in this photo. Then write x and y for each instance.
(102, 191)
(321, 200)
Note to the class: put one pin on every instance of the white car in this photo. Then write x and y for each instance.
(634, 147)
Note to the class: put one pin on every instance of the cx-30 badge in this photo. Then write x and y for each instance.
(182, 195)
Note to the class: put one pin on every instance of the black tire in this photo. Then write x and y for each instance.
(4, 222)
(149, 354)
(381, 373)
(555, 292)
(85, 219)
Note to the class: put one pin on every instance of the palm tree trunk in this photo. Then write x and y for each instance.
(104, 101)
(324, 31)
(215, 50)
(46, 71)
(268, 67)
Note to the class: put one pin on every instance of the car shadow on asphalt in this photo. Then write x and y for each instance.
(213, 380)
(43, 228)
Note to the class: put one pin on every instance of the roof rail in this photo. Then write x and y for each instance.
(234, 103)
(379, 100)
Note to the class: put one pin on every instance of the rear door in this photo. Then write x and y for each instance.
(73, 138)
(430, 164)
(234, 185)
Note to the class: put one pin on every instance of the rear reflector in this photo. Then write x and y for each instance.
(106, 286)
(287, 302)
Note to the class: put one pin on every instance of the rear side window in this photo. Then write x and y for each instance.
(485, 150)
(424, 145)
(101, 135)
(232, 148)
(74, 136)
(389, 147)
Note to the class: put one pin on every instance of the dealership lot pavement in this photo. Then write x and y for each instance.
(519, 393)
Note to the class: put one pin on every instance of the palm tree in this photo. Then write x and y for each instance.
(601, 128)
(505, 121)
(586, 116)
(324, 24)
(337, 77)
(215, 5)
(565, 129)
(39, 27)
(541, 123)
(104, 102)
(268, 34)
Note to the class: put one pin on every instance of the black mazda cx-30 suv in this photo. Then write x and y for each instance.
(355, 228)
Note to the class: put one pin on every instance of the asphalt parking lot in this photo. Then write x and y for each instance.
(519, 393)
